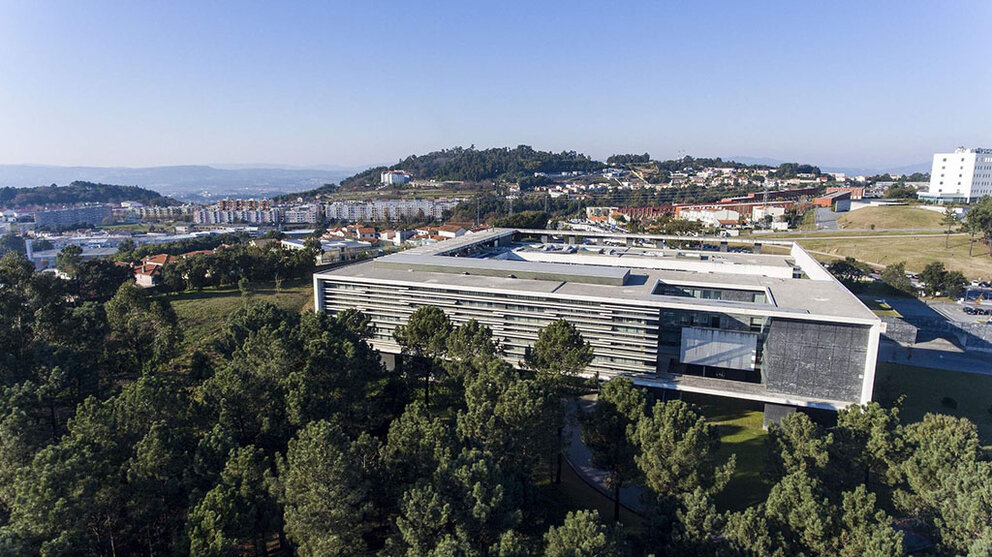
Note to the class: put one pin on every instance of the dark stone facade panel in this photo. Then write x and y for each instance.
(821, 360)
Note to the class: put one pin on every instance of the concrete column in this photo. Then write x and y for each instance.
(630, 242)
(775, 412)
(757, 247)
(573, 240)
(723, 246)
(659, 244)
(544, 238)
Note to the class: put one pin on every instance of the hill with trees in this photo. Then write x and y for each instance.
(80, 192)
(479, 165)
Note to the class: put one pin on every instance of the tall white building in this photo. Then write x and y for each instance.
(961, 176)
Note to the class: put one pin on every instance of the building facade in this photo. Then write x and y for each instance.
(960, 177)
(771, 328)
(250, 216)
(391, 177)
(388, 210)
(86, 214)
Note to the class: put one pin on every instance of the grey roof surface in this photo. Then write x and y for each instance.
(800, 298)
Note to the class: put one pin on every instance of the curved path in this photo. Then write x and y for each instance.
(579, 457)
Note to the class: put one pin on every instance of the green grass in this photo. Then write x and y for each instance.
(880, 308)
(739, 423)
(925, 391)
(915, 250)
(900, 216)
(202, 314)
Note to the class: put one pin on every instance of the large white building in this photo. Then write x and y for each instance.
(388, 209)
(772, 328)
(251, 216)
(962, 176)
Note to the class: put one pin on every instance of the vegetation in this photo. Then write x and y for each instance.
(475, 165)
(894, 275)
(788, 170)
(889, 218)
(849, 270)
(936, 279)
(281, 430)
(525, 219)
(12, 242)
(916, 250)
(79, 192)
(979, 220)
(628, 159)
(901, 191)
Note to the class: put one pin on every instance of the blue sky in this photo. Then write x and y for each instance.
(155, 83)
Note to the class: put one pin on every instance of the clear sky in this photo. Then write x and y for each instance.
(155, 83)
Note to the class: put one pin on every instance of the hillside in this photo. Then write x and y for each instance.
(883, 218)
(79, 192)
(474, 165)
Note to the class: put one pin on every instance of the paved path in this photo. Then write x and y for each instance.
(825, 219)
(579, 456)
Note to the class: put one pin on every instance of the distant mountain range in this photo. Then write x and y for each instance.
(182, 182)
(849, 170)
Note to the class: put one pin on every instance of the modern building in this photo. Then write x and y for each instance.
(46, 259)
(394, 177)
(838, 201)
(334, 251)
(224, 216)
(775, 328)
(388, 209)
(306, 214)
(961, 176)
(857, 192)
(85, 214)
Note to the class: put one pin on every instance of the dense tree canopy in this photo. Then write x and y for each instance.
(475, 165)
(286, 433)
(79, 192)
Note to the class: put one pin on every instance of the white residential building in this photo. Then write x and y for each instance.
(256, 216)
(961, 176)
(394, 177)
(388, 209)
(712, 217)
(305, 214)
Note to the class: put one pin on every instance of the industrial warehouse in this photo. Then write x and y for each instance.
(772, 327)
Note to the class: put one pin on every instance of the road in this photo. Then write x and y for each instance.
(825, 219)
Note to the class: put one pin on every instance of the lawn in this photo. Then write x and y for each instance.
(202, 314)
(879, 307)
(915, 250)
(890, 217)
(926, 390)
(739, 423)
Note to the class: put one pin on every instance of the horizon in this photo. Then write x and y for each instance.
(332, 167)
(307, 86)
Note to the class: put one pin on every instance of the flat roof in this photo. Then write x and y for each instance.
(816, 297)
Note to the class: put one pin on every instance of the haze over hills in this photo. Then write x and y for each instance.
(202, 182)
(182, 182)
(849, 170)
